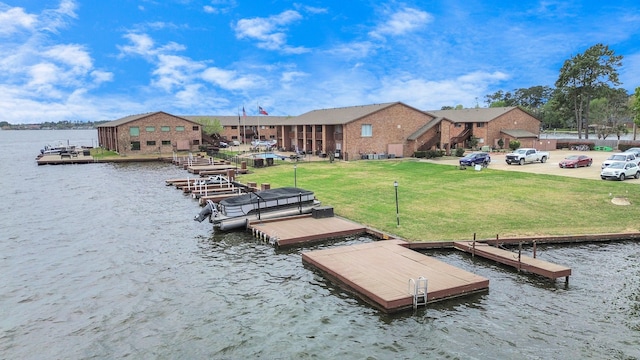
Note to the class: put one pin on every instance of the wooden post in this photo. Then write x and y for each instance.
(473, 251)
(534, 249)
(519, 255)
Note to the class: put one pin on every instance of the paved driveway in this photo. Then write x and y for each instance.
(550, 167)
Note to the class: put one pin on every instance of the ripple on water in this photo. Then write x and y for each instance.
(104, 261)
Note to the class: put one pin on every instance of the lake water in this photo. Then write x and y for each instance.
(105, 261)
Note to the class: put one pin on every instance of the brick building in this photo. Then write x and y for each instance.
(489, 125)
(353, 132)
(390, 128)
(151, 133)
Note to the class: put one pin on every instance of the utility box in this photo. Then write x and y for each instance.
(321, 212)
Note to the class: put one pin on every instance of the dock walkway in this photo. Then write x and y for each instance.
(522, 262)
(380, 273)
(305, 229)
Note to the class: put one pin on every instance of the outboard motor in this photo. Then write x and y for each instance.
(209, 210)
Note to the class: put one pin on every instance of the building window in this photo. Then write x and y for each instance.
(150, 128)
(151, 143)
(367, 130)
(272, 137)
(135, 145)
(458, 125)
(134, 131)
(179, 128)
(196, 142)
(479, 125)
(196, 128)
(234, 127)
(165, 128)
(166, 142)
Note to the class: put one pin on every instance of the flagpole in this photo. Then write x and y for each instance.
(239, 129)
(244, 117)
(258, 122)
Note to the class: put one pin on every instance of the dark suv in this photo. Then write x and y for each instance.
(476, 158)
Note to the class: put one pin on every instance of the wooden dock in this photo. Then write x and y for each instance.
(303, 229)
(380, 273)
(520, 262)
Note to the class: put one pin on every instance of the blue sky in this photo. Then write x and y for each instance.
(82, 60)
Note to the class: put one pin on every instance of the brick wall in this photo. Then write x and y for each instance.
(151, 142)
(515, 119)
(391, 125)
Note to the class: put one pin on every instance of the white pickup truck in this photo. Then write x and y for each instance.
(525, 155)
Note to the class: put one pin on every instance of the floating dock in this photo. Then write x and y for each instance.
(518, 261)
(303, 229)
(381, 273)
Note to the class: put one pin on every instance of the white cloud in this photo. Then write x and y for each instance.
(402, 22)
(432, 95)
(175, 72)
(15, 20)
(353, 50)
(270, 31)
(230, 80)
(53, 20)
(75, 56)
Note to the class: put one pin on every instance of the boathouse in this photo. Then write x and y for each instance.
(150, 133)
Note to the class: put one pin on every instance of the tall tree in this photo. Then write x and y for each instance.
(610, 112)
(635, 109)
(583, 76)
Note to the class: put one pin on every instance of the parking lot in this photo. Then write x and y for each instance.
(550, 167)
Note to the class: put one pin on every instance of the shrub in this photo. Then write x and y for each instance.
(420, 154)
(514, 144)
(625, 147)
(434, 154)
(459, 152)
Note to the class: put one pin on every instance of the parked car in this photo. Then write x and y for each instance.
(526, 155)
(620, 170)
(223, 144)
(575, 161)
(476, 158)
(634, 150)
(624, 157)
(235, 143)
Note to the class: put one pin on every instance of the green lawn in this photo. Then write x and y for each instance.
(441, 202)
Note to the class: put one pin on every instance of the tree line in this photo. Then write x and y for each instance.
(586, 97)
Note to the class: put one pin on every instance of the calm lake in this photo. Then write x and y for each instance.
(105, 261)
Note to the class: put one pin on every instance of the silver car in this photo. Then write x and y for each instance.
(620, 170)
(619, 157)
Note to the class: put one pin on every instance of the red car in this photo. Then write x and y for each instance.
(575, 161)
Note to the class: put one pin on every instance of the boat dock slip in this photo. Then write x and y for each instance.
(195, 169)
(381, 272)
(526, 263)
(291, 231)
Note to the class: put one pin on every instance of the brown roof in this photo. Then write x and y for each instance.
(244, 120)
(519, 134)
(337, 116)
(334, 116)
(131, 118)
(425, 128)
(473, 114)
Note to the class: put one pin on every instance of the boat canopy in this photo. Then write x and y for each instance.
(266, 195)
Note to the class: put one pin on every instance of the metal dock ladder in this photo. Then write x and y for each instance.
(418, 289)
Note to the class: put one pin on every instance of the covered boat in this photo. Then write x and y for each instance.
(234, 212)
